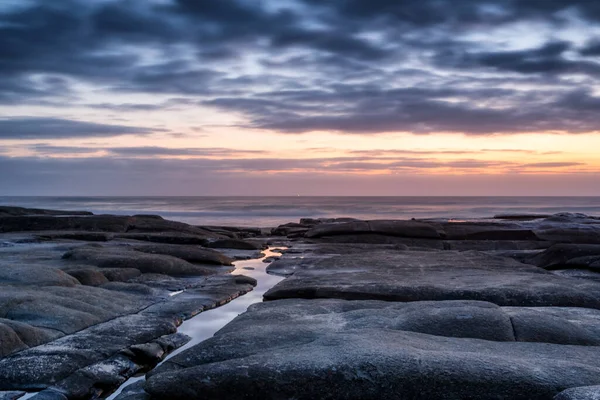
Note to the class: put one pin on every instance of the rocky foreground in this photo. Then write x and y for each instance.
(505, 308)
(86, 301)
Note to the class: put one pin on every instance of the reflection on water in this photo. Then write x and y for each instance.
(204, 325)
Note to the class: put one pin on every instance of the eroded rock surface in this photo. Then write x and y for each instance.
(506, 308)
(338, 349)
(77, 317)
(503, 308)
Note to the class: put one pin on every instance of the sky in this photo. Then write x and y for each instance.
(299, 97)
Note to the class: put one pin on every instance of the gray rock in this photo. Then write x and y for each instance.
(168, 237)
(46, 365)
(10, 342)
(577, 326)
(34, 275)
(84, 236)
(476, 230)
(50, 395)
(11, 395)
(134, 391)
(193, 254)
(235, 244)
(111, 257)
(414, 229)
(444, 275)
(67, 310)
(30, 335)
(120, 274)
(563, 255)
(580, 393)
(319, 356)
(88, 276)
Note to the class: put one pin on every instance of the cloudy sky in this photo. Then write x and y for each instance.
(309, 97)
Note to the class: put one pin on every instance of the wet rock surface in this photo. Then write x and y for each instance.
(86, 301)
(580, 393)
(501, 308)
(506, 308)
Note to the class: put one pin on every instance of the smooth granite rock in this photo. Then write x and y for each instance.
(34, 275)
(442, 275)
(268, 353)
(412, 229)
(580, 393)
(88, 276)
(193, 254)
(11, 395)
(569, 256)
(112, 257)
(235, 244)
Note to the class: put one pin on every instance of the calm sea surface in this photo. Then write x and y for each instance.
(272, 211)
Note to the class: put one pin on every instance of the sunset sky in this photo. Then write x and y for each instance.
(307, 97)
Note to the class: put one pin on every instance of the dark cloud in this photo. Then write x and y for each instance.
(418, 111)
(56, 128)
(591, 49)
(350, 66)
(546, 59)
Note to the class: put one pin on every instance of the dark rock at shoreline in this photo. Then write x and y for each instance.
(21, 211)
(412, 229)
(443, 275)
(235, 244)
(456, 323)
(569, 256)
(521, 217)
(331, 349)
(100, 223)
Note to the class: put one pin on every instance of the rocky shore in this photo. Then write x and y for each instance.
(499, 308)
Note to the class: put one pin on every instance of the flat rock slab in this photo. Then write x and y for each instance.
(193, 254)
(115, 257)
(569, 256)
(311, 349)
(11, 395)
(45, 365)
(431, 275)
(565, 228)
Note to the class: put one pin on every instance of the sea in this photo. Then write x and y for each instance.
(272, 211)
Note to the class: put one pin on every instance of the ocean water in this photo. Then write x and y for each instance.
(273, 211)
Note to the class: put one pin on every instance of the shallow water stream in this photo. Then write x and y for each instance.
(204, 325)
